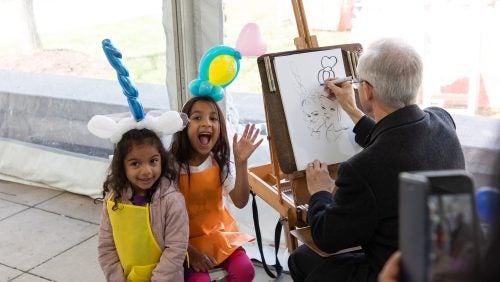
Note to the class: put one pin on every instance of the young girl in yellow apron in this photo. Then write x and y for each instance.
(202, 150)
(143, 235)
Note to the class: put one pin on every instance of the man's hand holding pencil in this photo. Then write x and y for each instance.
(340, 90)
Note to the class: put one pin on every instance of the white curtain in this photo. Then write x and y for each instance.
(191, 28)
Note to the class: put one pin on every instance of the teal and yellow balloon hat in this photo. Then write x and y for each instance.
(219, 66)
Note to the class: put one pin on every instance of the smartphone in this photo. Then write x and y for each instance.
(438, 226)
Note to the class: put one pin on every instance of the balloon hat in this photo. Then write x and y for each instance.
(113, 126)
(220, 65)
(129, 90)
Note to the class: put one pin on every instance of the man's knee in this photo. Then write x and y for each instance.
(300, 263)
(296, 259)
(291, 261)
(293, 267)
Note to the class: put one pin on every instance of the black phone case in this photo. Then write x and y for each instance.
(414, 223)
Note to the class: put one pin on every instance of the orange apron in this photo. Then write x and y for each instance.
(212, 229)
(136, 246)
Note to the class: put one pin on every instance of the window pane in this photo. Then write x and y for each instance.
(64, 37)
(457, 40)
(55, 75)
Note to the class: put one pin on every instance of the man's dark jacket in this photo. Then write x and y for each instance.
(364, 210)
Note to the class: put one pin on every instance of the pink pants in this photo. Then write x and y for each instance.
(238, 266)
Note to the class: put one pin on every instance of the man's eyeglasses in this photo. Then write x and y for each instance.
(356, 83)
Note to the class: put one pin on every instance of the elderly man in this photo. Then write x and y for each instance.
(360, 208)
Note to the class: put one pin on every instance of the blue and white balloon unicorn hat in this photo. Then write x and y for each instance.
(113, 126)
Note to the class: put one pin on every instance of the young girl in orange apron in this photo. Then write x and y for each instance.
(202, 150)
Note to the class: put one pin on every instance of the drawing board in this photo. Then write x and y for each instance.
(307, 125)
(318, 127)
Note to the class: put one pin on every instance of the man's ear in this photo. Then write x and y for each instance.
(368, 91)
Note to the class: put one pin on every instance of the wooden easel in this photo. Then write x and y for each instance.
(279, 183)
(279, 190)
(305, 40)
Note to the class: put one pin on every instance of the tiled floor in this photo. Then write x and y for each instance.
(49, 235)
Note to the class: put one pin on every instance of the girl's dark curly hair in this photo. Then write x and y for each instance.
(116, 180)
(181, 147)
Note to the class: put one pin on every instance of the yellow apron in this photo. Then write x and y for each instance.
(137, 248)
(212, 229)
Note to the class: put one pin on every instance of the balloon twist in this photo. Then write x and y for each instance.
(129, 89)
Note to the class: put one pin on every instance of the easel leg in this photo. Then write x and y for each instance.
(290, 240)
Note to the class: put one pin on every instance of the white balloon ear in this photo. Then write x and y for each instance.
(113, 126)
(102, 126)
(123, 125)
(170, 122)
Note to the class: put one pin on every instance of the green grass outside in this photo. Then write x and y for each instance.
(141, 41)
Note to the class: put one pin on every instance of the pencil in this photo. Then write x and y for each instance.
(339, 81)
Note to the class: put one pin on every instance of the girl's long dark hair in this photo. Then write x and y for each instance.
(116, 180)
(181, 147)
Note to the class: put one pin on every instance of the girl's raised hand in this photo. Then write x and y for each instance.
(244, 148)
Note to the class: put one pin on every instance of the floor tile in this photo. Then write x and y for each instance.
(29, 278)
(75, 206)
(29, 238)
(23, 194)
(68, 265)
(261, 276)
(49, 233)
(7, 273)
(8, 208)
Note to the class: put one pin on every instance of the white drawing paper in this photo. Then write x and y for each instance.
(318, 127)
